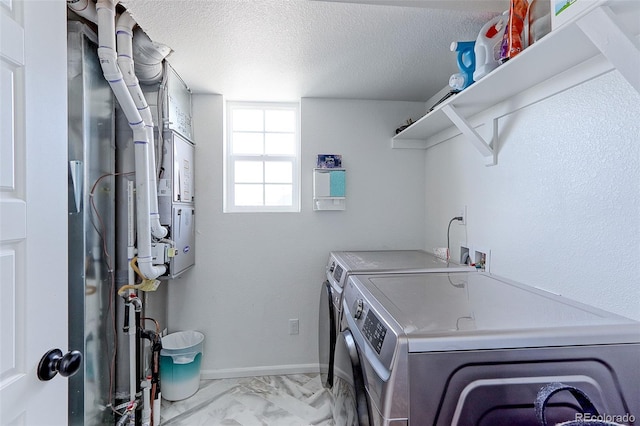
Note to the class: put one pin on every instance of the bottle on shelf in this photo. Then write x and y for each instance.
(466, 59)
(487, 48)
(539, 20)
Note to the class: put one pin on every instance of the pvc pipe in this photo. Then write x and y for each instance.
(132, 333)
(124, 38)
(108, 60)
(84, 8)
(148, 57)
(156, 409)
(146, 406)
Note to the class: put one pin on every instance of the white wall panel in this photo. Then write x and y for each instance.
(256, 271)
(561, 210)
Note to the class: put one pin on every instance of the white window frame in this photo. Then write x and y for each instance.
(230, 158)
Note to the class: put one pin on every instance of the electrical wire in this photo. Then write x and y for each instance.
(107, 258)
(448, 230)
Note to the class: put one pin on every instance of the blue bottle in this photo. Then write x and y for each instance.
(466, 64)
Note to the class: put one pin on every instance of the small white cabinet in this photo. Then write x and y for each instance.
(329, 187)
(603, 38)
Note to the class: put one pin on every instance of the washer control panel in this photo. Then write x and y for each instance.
(337, 273)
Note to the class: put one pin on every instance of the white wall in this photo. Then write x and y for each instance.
(561, 210)
(256, 271)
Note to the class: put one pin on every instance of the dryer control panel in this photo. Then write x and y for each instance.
(365, 318)
(374, 331)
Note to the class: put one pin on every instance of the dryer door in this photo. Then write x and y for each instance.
(351, 405)
(326, 335)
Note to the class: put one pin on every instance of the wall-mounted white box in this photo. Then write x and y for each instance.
(329, 189)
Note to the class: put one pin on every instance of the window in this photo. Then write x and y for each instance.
(261, 157)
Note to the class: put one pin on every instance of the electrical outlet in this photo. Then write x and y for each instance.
(463, 214)
(294, 326)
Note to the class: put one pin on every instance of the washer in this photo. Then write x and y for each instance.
(341, 265)
(336, 354)
(474, 349)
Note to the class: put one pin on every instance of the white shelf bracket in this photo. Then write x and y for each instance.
(487, 150)
(616, 45)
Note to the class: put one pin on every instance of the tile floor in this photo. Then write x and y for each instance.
(291, 400)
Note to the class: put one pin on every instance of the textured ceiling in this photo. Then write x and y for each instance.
(284, 50)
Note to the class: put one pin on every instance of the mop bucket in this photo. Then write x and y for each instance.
(180, 359)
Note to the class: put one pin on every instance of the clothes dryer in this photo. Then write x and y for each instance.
(474, 349)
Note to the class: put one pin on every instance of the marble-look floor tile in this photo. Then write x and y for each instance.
(292, 400)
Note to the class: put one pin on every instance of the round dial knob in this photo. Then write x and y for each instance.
(358, 308)
(332, 267)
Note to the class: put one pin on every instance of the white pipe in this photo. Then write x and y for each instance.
(132, 313)
(148, 57)
(146, 406)
(108, 61)
(156, 409)
(84, 8)
(124, 38)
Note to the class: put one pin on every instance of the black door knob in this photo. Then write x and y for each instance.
(53, 362)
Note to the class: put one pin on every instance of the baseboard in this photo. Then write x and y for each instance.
(270, 370)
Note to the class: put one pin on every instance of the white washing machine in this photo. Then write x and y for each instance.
(474, 349)
(333, 350)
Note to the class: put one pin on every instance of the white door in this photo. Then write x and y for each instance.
(33, 208)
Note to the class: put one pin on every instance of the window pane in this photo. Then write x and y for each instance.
(280, 121)
(248, 195)
(247, 143)
(248, 172)
(262, 153)
(278, 171)
(278, 195)
(248, 120)
(279, 143)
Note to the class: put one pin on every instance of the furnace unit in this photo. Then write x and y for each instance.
(176, 200)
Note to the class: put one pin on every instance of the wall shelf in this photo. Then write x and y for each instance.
(603, 38)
